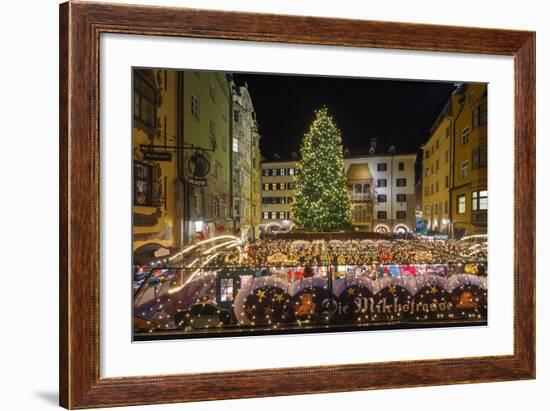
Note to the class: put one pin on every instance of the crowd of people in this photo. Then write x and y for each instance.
(360, 252)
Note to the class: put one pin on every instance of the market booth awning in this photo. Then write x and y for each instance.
(152, 252)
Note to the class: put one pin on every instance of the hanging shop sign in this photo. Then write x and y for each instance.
(224, 200)
(197, 181)
(157, 155)
(199, 167)
(161, 252)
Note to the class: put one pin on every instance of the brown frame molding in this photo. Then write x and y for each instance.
(80, 27)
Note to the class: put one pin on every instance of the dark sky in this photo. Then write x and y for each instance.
(395, 112)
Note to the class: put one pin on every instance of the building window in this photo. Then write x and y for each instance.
(401, 198)
(265, 215)
(446, 156)
(426, 191)
(144, 110)
(236, 116)
(291, 186)
(431, 189)
(465, 136)
(266, 187)
(381, 182)
(446, 206)
(436, 208)
(282, 171)
(381, 166)
(236, 150)
(290, 171)
(479, 200)
(427, 172)
(215, 208)
(212, 129)
(360, 214)
(382, 215)
(436, 165)
(427, 154)
(226, 289)
(143, 183)
(212, 92)
(401, 215)
(401, 182)
(144, 99)
(437, 144)
(195, 106)
(464, 169)
(479, 157)
(461, 204)
(427, 210)
(479, 115)
(446, 181)
(401, 166)
(265, 171)
(237, 176)
(381, 198)
(437, 186)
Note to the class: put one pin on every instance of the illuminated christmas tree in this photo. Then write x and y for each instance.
(322, 202)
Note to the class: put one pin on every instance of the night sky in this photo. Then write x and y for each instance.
(395, 112)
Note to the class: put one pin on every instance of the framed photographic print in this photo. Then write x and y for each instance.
(259, 204)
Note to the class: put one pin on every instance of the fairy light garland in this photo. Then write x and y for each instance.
(321, 202)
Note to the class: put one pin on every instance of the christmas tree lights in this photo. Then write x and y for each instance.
(322, 202)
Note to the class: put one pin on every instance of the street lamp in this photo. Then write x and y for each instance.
(198, 225)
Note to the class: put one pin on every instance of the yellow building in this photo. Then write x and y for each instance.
(155, 221)
(181, 159)
(469, 195)
(206, 161)
(256, 182)
(436, 173)
(246, 164)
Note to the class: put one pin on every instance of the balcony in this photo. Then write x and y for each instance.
(479, 218)
(353, 196)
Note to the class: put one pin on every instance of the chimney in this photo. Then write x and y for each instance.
(373, 142)
(372, 148)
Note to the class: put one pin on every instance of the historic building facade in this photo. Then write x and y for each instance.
(278, 191)
(156, 222)
(182, 158)
(469, 196)
(454, 167)
(380, 187)
(436, 173)
(245, 164)
(207, 153)
(382, 190)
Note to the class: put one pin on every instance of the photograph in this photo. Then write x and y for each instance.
(282, 203)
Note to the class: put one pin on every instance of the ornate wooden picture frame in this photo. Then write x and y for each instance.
(81, 25)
